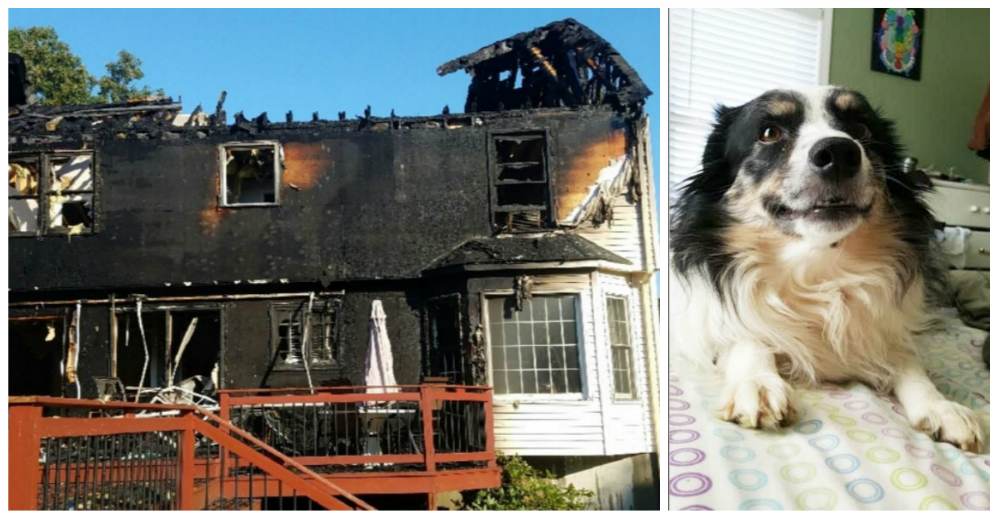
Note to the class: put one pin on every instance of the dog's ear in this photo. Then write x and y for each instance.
(716, 174)
(715, 148)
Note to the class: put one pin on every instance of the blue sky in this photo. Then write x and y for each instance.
(327, 60)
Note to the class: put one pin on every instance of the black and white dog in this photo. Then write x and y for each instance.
(801, 252)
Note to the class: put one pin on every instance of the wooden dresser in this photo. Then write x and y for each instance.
(968, 206)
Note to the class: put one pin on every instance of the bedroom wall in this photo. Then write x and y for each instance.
(935, 114)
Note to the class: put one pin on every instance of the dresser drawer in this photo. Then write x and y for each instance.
(961, 207)
(978, 254)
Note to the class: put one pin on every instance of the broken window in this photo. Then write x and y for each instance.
(446, 348)
(621, 347)
(67, 182)
(172, 344)
(535, 350)
(22, 195)
(521, 199)
(291, 347)
(70, 194)
(251, 174)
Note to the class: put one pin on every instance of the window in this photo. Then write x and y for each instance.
(730, 56)
(621, 347)
(520, 182)
(534, 350)
(252, 173)
(51, 194)
(288, 327)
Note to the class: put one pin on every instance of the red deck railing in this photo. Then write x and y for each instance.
(266, 449)
(371, 429)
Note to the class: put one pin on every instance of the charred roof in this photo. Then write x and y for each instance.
(563, 64)
(521, 250)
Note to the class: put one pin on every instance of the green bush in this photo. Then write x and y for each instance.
(524, 488)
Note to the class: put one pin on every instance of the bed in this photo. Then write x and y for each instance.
(849, 448)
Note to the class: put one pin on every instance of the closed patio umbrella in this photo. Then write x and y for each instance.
(378, 362)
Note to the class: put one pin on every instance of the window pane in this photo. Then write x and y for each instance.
(555, 334)
(558, 358)
(569, 332)
(498, 360)
(572, 358)
(500, 382)
(528, 385)
(542, 357)
(514, 383)
(573, 381)
(511, 149)
(71, 212)
(513, 358)
(559, 382)
(22, 215)
(537, 310)
(22, 177)
(495, 308)
(541, 334)
(509, 334)
(521, 195)
(568, 305)
(525, 334)
(71, 174)
(544, 381)
(527, 357)
(522, 172)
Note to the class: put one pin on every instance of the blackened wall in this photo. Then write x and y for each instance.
(248, 350)
(355, 204)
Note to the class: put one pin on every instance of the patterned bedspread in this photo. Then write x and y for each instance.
(850, 448)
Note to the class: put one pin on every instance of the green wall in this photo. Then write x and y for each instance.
(934, 116)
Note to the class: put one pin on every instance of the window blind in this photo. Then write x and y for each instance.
(730, 56)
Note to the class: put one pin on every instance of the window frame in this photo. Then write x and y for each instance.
(328, 307)
(583, 394)
(629, 328)
(279, 167)
(493, 169)
(45, 161)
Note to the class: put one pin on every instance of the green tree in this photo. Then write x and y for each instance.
(523, 488)
(118, 84)
(57, 75)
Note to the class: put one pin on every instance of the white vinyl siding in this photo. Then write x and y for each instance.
(591, 423)
(728, 57)
(623, 235)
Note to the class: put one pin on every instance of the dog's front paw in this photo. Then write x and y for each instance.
(761, 402)
(949, 422)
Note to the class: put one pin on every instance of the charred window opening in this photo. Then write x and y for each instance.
(251, 174)
(446, 348)
(37, 347)
(521, 200)
(51, 194)
(180, 343)
(291, 347)
(621, 347)
(535, 350)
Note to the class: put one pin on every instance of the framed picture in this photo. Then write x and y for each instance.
(897, 41)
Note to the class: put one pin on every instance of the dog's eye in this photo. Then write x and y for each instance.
(861, 131)
(769, 134)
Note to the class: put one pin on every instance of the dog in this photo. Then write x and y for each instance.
(801, 252)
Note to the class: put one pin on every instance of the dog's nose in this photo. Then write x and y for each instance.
(836, 158)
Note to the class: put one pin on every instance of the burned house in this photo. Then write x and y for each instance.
(512, 246)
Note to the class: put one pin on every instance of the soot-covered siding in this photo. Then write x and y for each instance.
(355, 204)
